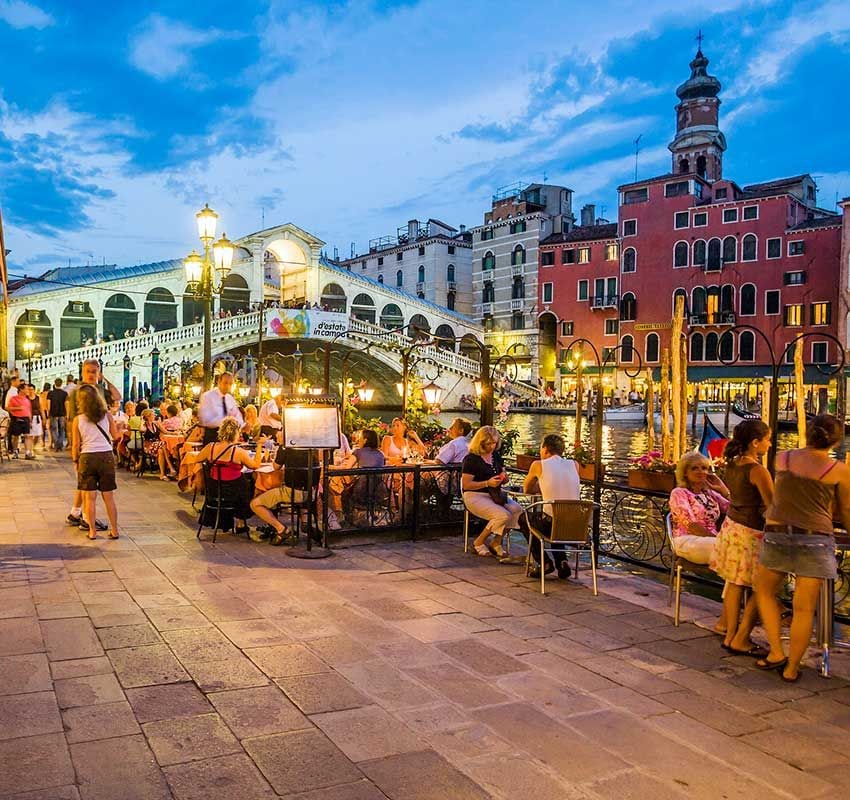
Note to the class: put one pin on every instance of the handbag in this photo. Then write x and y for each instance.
(497, 495)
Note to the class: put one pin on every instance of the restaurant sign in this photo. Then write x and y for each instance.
(650, 326)
(304, 323)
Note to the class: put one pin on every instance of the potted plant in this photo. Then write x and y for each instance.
(585, 461)
(525, 459)
(652, 472)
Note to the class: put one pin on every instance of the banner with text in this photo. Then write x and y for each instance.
(304, 323)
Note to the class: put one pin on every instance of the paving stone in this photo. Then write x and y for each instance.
(311, 761)
(279, 661)
(636, 785)
(626, 699)
(70, 638)
(480, 658)
(87, 690)
(222, 778)
(29, 715)
(258, 712)
(175, 741)
(253, 633)
(103, 721)
(128, 636)
(564, 671)
(361, 790)
(59, 793)
(80, 667)
(367, 733)
(798, 749)
(118, 769)
(24, 673)
(324, 691)
(200, 644)
(19, 636)
(172, 619)
(387, 685)
(168, 701)
(34, 763)
(146, 665)
(11, 609)
(340, 649)
(520, 777)
(716, 714)
(60, 610)
(431, 629)
(401, 776)
(459, 686)
(230, 673)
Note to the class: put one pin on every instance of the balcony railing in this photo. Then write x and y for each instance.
(712, 318)
(517, 270)
(420, 286)
(487, 308)
(451, 286)
(516, 304)
(604, 300)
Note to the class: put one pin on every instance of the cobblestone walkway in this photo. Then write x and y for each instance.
(158, 666)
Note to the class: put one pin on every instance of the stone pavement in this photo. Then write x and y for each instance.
(158, 666)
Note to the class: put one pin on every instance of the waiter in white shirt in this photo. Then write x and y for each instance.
(270, 417)
(215, 405)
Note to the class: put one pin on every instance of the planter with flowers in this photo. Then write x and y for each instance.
(653, 473)
(526, 459)
(585, 462)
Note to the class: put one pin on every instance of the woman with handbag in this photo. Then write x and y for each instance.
(482, 476)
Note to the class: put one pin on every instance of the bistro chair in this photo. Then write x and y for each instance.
(4, 439)
(677, 565)
(217, 512)
(571, 532)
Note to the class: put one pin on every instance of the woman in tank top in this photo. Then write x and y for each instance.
(811, 491)
(737, 547)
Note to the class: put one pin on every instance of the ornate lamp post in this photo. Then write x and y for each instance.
(205, 275)
(29, 349)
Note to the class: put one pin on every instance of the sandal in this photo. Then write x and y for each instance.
(113, 535)
(766, 664)
(91, 535)
(754, 651)
(482, 550)
(791, 680)
(279, 538)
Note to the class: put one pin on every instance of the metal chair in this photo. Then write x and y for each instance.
(215, 503)
(677, 564)
(570, 531)
(473, 524)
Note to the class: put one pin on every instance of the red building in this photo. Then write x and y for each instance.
(762, 255)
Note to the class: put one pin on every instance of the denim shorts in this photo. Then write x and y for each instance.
(802, 554)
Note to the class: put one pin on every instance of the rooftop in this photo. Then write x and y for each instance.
(583, 233)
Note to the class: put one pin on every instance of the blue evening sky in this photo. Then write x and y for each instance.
(118, 120)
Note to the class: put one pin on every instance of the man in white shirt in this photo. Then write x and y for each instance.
(270, 417)
(12, 391)
(455, 450)
(215, 405)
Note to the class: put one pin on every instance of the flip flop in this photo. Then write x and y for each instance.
(791, 680)
(766, 665)
(113, 535)
(755, 651)
(482, 550)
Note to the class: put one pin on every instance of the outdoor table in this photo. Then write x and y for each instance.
(825, 622)
(525, 500)
(173, 442)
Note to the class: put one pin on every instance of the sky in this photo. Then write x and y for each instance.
(119, 120)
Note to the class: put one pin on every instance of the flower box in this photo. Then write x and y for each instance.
(587, 472)
(651, 481)
(524, 461)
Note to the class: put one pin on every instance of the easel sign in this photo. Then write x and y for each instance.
(311, 427)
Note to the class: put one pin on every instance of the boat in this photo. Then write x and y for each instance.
(632, 412)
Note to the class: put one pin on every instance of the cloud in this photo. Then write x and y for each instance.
(162, 47)
(20, 14)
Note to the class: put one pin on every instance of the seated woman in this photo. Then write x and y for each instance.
(481, 472)
(172, 425)
(251, 427)
(696, 505)
(227, 459)
(401, 442)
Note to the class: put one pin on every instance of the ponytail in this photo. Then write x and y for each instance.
(743, 436)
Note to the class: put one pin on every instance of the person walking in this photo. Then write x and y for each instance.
(56, 399)
(20, 409)
(36, 434)
(217, 405)
(93, 433)
(812, 489)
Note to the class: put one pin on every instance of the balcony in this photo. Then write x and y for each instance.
(487, 308)
(420, 287)
(604, 301)
(721, 318)
(517, 270)
(516, 305)
(451, 286)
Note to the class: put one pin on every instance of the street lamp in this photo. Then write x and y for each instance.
(365, 393)
(201, 282)
(432, 394)
(29, 346)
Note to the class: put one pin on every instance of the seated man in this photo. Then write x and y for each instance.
(556, 478)
(452, 452)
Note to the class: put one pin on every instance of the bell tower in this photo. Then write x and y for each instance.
(699, 143)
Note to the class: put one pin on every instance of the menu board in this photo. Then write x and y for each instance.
(311, 427)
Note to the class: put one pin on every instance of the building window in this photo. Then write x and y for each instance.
(774, 248)
(362, 265)
(821, 313)
(652, 347)
(700, 219)
(730, 249)
(612, 252)
(518, 227)
(680, 254)
(488, 322)
(628, 307)
(566, 328)
(486, 234)
(420, 278)
(380, 278)
(489, 260)
(796, 248)
(676, 189)
(793, 315)
(697, 347)
(421, 250)
(518, 255)
(730, 215)
(488, 293)
(720, 194)
(450, 301)
(748, 300)
(517, 321)
(583, 255)
(711, 347)
(771, 301)
(726, 346)
(629, 259)
(747, 346)
(630, 227)
(380, 261)
(612, 327)
(680, 293)
(749, 246)
(451, 249)
(399, 278)
(568, 256)
(699, 253)
(609, 355)
(715, 254)
(518, 289)
(399, 256)
(420, 295)
(627, 349)
(547, 292)
(750, 212)
(681, 219)
(583, 287)
(635, 196)
(819, 353)
(797, 278)
(547, 259)
(450, 273)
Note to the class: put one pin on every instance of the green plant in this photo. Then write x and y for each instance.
(653, 461)
(581, 455)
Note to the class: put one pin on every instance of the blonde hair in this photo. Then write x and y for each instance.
(251, 408)
(486, 433)
(685, 463)
(229, 430)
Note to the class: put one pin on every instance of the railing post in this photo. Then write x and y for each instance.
(417, 495)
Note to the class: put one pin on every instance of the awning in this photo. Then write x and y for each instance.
(739, 372)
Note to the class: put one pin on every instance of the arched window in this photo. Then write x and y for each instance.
(701, 166)
(680, 254)
(748, 300)
(160, 309)
(698, 300)
(681, 293)
(488, 293)
(749, 248)
(711, 347)
(41, 333)
(699, 253)
(420, 278)
(446, 336)
(652, 347)
(399, 279)
(697, 351)
(629, 259)
(363, 308)
(120, 315)
(489, 260)
(235, 295)
(628, 307)
(726, 346)
(450, 301)
(450, 273)
(747, 346)
(715, 250)
(730, 249)
(712, 305)
(418, 327)
(684, 166)
(518, 255)
(333, 298)
(627, 349)
(518, 289)
(727, 299)
(391, 317)
(77, 325)
(381, 278)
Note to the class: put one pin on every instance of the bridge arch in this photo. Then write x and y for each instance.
(160, 309)
(235, 294)
(39, 323)
(469, 347)
(193, 309)
(391, 316)
(333, 298)
(119, 315)
(446, 332)
(292, 259)
(418, 327)
(77, 325)
(363, 308)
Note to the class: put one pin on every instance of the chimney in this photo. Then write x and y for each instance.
(588, 214)
(412, 229)
(463, 228)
